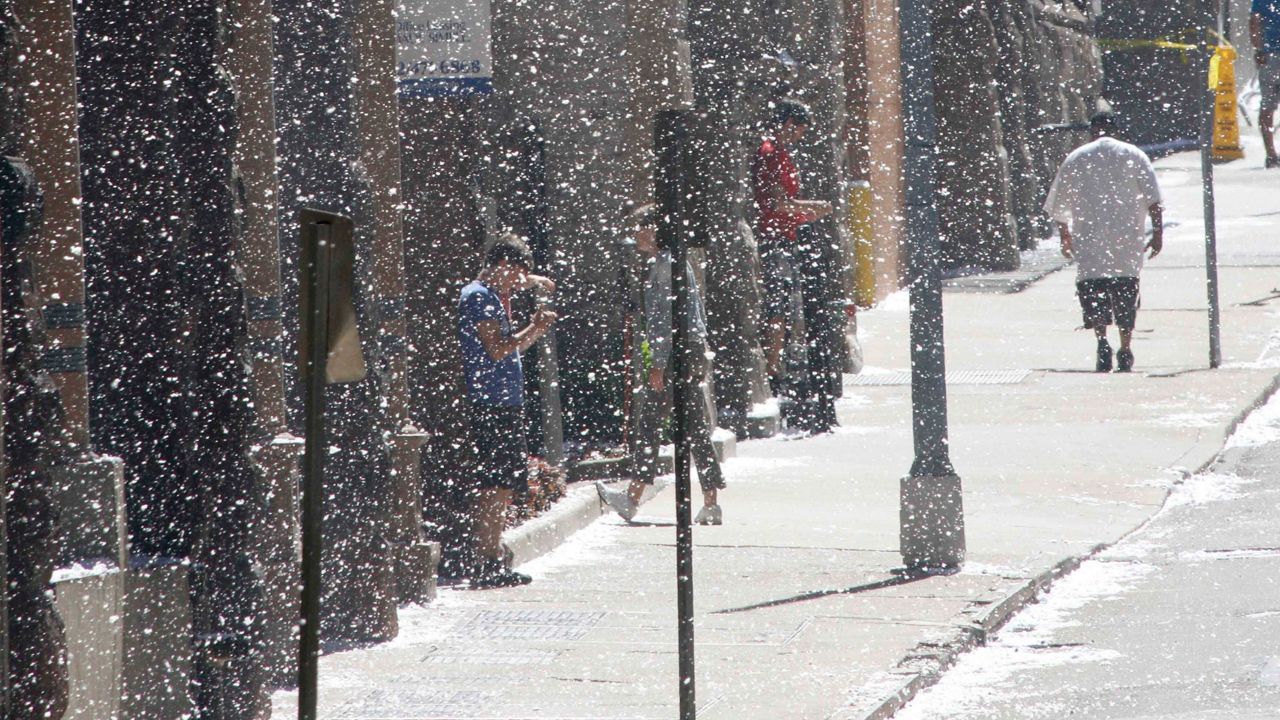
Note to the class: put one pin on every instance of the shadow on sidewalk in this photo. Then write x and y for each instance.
(901, 577)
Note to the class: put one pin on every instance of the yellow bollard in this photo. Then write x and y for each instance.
(1226, 125)
(864, 275)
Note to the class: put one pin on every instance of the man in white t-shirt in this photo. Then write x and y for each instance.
(1101, 199)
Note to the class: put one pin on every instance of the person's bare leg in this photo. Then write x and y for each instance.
(776, 338)
(635, 491)
(1266, 121)
(1100, 332)
(1126, 337)
(709, 497)
(490, 510)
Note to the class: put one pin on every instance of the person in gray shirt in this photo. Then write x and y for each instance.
(1102, 197)
(654, 397)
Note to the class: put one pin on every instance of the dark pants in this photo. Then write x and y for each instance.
(654, 408)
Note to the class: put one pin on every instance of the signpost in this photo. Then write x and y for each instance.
(330, 353)
(1208, 95)
(671, 146)
(443, 48)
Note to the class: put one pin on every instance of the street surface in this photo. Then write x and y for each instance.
(1178, 621)
(800, 613)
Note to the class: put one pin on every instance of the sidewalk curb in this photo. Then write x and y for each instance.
(924, 665)
(577, 510)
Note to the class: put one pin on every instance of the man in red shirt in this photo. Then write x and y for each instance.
(775, 183)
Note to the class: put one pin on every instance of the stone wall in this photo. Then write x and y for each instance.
(1003, 70)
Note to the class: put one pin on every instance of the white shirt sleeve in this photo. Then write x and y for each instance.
(1147, 181)
(1058, 204)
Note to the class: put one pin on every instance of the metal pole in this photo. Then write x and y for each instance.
(672, 138)
(932, 513)
(314, 377)
(1207, 106)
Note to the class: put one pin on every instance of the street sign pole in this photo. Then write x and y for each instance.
(1208, 101)
(932, 512)
(671, 145)
(315, 374)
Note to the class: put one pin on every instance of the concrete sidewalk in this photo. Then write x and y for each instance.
(800, 614)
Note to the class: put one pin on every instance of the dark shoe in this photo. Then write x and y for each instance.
(1124, 361)
(1104, 356)
(1273, 162)
(496, 574)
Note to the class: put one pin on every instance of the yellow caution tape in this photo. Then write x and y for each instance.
(1122, 44)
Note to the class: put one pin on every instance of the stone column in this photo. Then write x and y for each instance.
(1012, 22)
(90, 487)
(443, 241)
(86, 491)
(733, 74)
(413, 558)
(320, 167)
(275, 451)
(51, 145)
(973, 168)
(658, 77)
(37, 656)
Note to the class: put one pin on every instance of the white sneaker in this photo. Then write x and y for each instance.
(618, 500)
(710, 515)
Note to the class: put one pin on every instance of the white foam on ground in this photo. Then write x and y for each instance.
(1205, 489)
(1262, 427)
(597, 541)
(78, 572)
(1026, 643)
(898, 302)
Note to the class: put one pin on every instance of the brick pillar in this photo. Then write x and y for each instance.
(248, 58)
(413, 559)
(885, 139)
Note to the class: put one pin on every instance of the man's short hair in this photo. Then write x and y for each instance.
(643, 216)
(790, 109)
(511, 248)
(1104, 120)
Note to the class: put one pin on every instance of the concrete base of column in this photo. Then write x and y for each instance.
(157, 658)
(278, 556)
(91, 604)
(414, 560)
(90, 497)
(931, 535)
(415, 568)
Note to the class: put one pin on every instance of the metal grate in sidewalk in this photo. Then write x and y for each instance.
(960, 377)
(415, 703)
(529, 625)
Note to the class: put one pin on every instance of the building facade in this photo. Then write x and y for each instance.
(157, 155)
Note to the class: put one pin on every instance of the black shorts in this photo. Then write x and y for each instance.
(1109, 301)
(497, 439)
